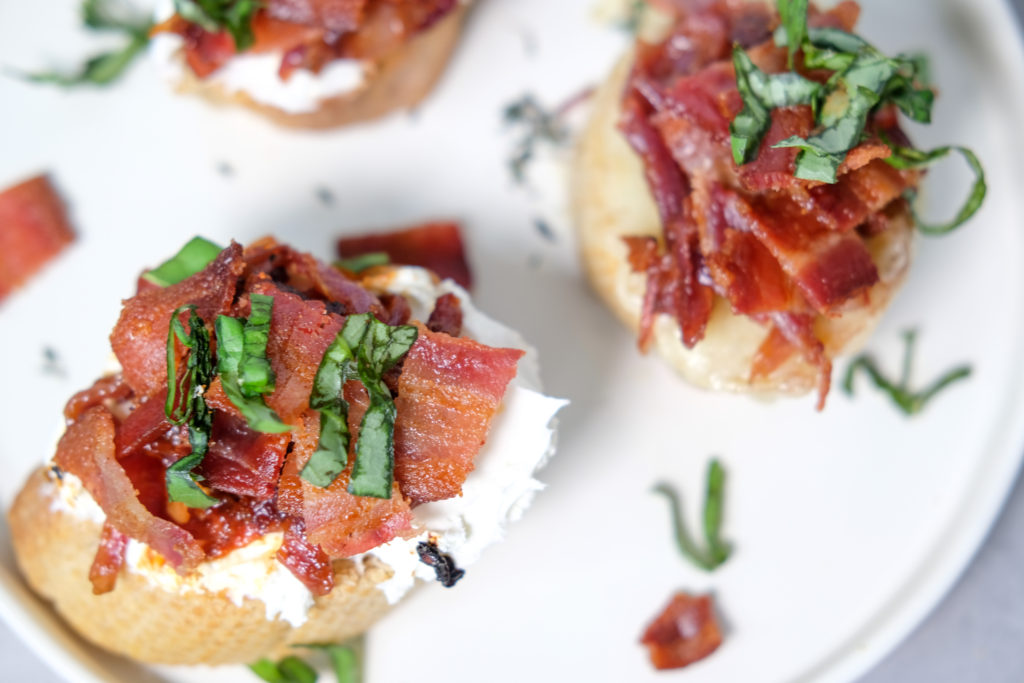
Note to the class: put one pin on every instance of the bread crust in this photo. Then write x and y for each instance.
(149, 623)
(611, 200)
(399, 81)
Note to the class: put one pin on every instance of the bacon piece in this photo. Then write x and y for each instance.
(205, 51)
(685, 632)
(110, 388)
(300, 332)
(87, 451)
(693, 300)
(308, 276)
(242, 461)
(339, 16)
(308, 562)
(34, 229)
(143, 425)
(448, 393)
(668, 184)
(108, 561)
(829, 267)
(139, 339)
(389, 24)
(340, 523)
(446, 318)
(790, 333)
(437, 246)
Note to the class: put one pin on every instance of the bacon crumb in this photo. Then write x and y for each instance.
(685, 632)
(34, 229)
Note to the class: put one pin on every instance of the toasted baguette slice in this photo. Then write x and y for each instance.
(399, 81)
(611, 200)
(150, 623)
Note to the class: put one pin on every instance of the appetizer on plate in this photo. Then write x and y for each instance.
(309, 63)
(284, 448)
(743, 190)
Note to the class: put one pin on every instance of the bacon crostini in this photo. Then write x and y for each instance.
(745, 266)
(309, 63)
(283, 443)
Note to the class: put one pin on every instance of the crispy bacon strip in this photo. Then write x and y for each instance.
(139, 339)
(34, 229)
(684, 633)
(87, 451)
(108, 561)
(448, 393)
(437, 246)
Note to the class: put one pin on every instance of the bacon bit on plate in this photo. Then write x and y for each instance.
(437, 246)
(684, 633)
(34, 228)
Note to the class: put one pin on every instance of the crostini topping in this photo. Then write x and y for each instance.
(716, 551)
(34, 229)
(213, 448)
(685, 632)
(233, 16)
(358, 264)
(772, 183)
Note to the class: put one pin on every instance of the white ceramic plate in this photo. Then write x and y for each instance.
(848, 526)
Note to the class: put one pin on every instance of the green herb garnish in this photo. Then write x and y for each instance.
(358, 264)
(717, 551)
(908, 401)
(761, 93)
(242, 364)
(538, 125)
(905, 157)
(344, 661)
(190, 259)
(106, 67)
(863, 80)
(288, 670)
(364, 349)
(233, 16)
(186, 404)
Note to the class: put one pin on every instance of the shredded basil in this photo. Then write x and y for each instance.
(256, 375)
(910, 402)
(717, 551)
(104, 68)
(288, 670)
(761, 93)
(186, 404)
(233, 16)
(197, 253)
(364, 349)
(344, 661)
(793, 14)
(358, 264)
(905, 157)
(232, 334)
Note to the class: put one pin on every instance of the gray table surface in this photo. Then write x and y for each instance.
(975, 635)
